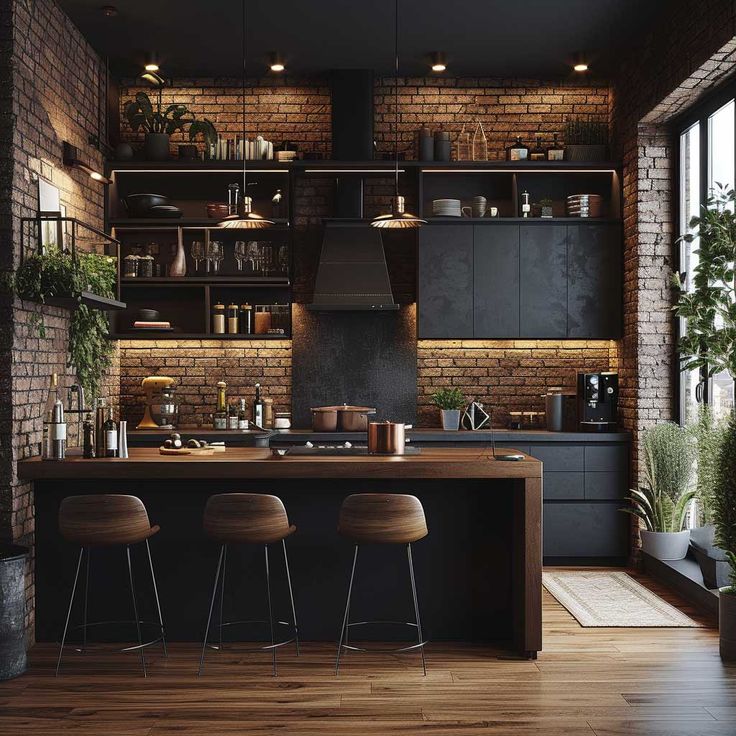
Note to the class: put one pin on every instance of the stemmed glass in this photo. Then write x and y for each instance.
(252, 254)
(240, 250)
(215, 255)
(197, 251)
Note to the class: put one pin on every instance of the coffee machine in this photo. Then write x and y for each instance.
(161, 410)
(597, 402)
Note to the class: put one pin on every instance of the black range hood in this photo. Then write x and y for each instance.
(352, 274)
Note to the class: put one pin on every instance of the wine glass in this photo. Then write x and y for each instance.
(252, 253)
(197, 251)
(240, 250)
(215, 254)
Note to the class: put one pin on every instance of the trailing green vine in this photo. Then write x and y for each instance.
(57, 274)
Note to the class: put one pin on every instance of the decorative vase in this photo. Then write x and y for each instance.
(12, 610)
(178, 266)
(665, 545)
(156, 146)
(727, 623)
(123, 152)
(450, 419)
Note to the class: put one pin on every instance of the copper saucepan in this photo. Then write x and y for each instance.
(342, 418)
(387, 438)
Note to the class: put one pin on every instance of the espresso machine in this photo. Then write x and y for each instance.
(597, 402)
(161, 411)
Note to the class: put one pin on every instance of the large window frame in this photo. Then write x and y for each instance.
(700, 116)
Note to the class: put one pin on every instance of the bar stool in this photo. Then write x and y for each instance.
(249, 518)
(107, 520)
(382, 518)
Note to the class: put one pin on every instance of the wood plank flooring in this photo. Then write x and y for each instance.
(586, 682)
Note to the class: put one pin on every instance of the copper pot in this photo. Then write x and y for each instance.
(342, 418)
(386, 438)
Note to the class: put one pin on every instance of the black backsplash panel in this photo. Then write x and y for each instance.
(361, 358)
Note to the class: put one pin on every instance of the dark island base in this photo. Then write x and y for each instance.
(463, 568)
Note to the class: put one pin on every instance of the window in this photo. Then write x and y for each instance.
(707, 157)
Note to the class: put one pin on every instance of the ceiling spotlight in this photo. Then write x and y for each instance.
(109, 11)
(151, 64)
(580, 63)
(70, 157)
(439, 62)
(276, 62)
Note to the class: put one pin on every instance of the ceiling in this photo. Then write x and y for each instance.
(499, 38)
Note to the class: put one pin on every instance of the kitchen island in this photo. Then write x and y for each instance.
(478, 571)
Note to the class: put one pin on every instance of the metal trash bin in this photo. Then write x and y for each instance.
(12, 610)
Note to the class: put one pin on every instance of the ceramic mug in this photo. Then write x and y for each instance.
(467, 211)
(493, 211)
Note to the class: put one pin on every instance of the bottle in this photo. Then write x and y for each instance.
(556, 152)
(111, 435)
(246, 319)
(480, 144)
(220, 417)
(232, 319)
(517, 151)
(242, 416)
(48, 417)
(218, 319)
(57, 431)
(232, 417)
(526, 206)
(538, 153)
(100, 410)
(258, 408)
(88, 430)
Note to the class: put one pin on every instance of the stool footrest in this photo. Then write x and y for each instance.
(126, 622)
(407, 648)
(265, 647)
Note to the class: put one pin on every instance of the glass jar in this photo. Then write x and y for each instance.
(145, 267)
(282, 420)
(218, 319)
(262, 321)
(280, 319)
(130, 266)
(232, 319)
(246, 319)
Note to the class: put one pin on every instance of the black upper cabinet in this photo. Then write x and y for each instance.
(496, 281)
(594, 281)
(543, 281)
(445, 282)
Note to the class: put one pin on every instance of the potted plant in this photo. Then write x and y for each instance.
(160, 122)
(662, 502)
(709, 342)
(709, 435)
(586, 140)
(450, 402)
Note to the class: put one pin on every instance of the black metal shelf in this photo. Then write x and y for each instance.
(154, 335)
(521, 220)
(174, 223)
(240, 281)
(87, 298)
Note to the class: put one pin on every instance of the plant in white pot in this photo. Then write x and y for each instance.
(450, 402)
(709, 343)
(661, 503)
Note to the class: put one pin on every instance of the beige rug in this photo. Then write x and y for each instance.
(608, 598)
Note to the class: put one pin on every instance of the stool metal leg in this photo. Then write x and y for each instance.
(135, 611)
(212, 605)
(69, 611)
(86, 595)
(416, 607)
(270, 611)
(222, 590)
(291, 597)
(345, 619)
(158, 603)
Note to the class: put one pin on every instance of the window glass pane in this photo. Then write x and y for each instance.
(689, 206)
(721, 147)
(722, 395)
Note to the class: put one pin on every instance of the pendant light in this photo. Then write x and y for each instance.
(398, 218)
(249, 220)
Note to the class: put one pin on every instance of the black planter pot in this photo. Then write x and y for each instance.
(12, 610)
(156, 146)
(712, 559)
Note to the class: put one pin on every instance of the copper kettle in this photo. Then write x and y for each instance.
(387, 438)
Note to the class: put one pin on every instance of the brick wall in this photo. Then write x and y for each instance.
(51, 93)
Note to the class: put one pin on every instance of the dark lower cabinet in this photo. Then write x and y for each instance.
(585, 530)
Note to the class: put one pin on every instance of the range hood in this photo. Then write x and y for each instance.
(352, 274)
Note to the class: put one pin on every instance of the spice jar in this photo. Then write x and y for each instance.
(218, 319)
(130, 266)
(232, 319)
(145, 267)
(262, 319)
(246, 319)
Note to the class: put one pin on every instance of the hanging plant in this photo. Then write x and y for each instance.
(54, 273)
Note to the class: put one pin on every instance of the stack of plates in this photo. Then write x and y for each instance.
(447, 208)
(585, 205)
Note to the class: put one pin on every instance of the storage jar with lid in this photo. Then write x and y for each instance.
(218, 319)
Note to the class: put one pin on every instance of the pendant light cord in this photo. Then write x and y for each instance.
(243, 110)
(396, 98)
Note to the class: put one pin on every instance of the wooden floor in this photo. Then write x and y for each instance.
(607, 682)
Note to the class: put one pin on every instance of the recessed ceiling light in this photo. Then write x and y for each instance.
(276, 62)
(439, 62)
(109, 11)
(580, 62)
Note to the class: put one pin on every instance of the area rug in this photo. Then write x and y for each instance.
(608, 598)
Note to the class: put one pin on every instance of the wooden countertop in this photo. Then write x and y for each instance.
(251, 462)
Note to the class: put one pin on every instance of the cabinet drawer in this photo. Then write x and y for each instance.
(606, 486)
(563, 485)
(559, 457)
(607, 457)
(585, 530)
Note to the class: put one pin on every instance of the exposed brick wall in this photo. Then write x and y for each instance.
(507, 375)
(197, 365)
(51, 93)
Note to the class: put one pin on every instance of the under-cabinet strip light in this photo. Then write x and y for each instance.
(352, 171)
(519, 171)
(197, 171)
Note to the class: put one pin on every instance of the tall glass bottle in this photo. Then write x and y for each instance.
(48, 417)
(220, 418)
(111, 435)
(258, 408)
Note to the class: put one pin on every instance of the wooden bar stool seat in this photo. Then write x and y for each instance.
(107, 520)
(249, 518)
(382, 518)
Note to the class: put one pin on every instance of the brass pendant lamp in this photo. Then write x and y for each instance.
(249, 220)
(398, 218)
